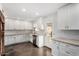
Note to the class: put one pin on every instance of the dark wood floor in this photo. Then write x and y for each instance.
(27, 49)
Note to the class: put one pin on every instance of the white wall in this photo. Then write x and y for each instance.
(0, 6)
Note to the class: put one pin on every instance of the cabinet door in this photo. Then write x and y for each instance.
(72, 50)
(55, 48)
(27, 25)
(68, 50)
(64, 17)
(21, 38)
(40, 41)
(18, 38)
(74, 21)
(9, 24)
(63, 47)
(19, 25)
(9, 40)
(61, 18)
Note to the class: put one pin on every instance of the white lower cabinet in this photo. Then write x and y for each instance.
(40, 41)
(55, 49)
(16, 39)
(64, 49)
(9, 40)
(69, 50)
(21, 38)
(73, 50)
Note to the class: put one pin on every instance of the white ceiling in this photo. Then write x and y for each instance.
(14, 10)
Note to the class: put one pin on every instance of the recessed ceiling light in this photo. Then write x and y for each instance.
(37, 13)
(23, 9)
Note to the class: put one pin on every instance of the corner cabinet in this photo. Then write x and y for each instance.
(68, 17)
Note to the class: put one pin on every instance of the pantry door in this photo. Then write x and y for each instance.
(1, 33)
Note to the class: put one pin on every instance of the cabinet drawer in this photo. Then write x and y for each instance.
(68, 49)
(73, 50)
(64, 54)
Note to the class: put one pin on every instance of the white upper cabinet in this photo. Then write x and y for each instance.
(9, 24)
(68, 17)
(17, 25)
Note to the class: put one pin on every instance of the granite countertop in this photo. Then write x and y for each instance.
(68, 41)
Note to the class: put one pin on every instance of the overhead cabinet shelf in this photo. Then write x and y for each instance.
(68, 17)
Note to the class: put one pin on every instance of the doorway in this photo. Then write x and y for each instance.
(48, 36)
(49, 31)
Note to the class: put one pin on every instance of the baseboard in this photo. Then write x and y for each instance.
(47, 47)
(21, 43)
(17, 43)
